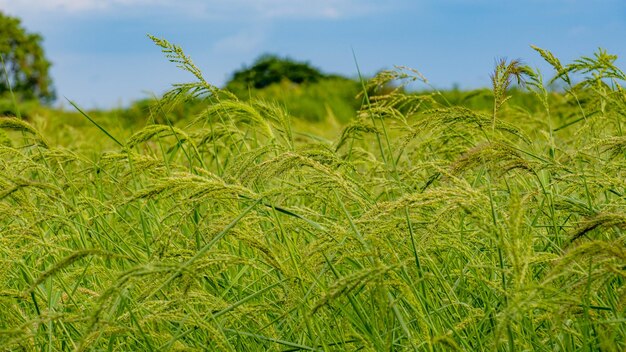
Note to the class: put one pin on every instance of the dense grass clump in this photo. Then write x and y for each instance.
(422, 226)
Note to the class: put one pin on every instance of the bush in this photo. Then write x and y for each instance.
(270, 69)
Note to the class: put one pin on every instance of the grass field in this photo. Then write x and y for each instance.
(421, 224)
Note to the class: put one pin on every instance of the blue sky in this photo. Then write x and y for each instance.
(102, 57)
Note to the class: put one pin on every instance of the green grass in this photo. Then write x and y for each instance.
(423, 224)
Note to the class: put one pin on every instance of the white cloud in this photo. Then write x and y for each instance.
(70, 6)
(224, 9)
(244, 42)
(320, 9)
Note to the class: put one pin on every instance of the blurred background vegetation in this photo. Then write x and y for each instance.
(317, 100)
(25, 69)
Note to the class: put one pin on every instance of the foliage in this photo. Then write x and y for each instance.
(423, 225)
(271, 69)
(24, 65)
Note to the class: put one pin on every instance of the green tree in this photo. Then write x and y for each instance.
(24, 67)
(269, 69)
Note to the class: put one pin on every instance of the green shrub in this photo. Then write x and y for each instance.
(271, 69)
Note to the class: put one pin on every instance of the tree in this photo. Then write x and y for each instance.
(270, 69)
(23, 64)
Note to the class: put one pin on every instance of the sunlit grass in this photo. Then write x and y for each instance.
(422, 226)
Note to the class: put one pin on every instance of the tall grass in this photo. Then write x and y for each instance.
(423, 226)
